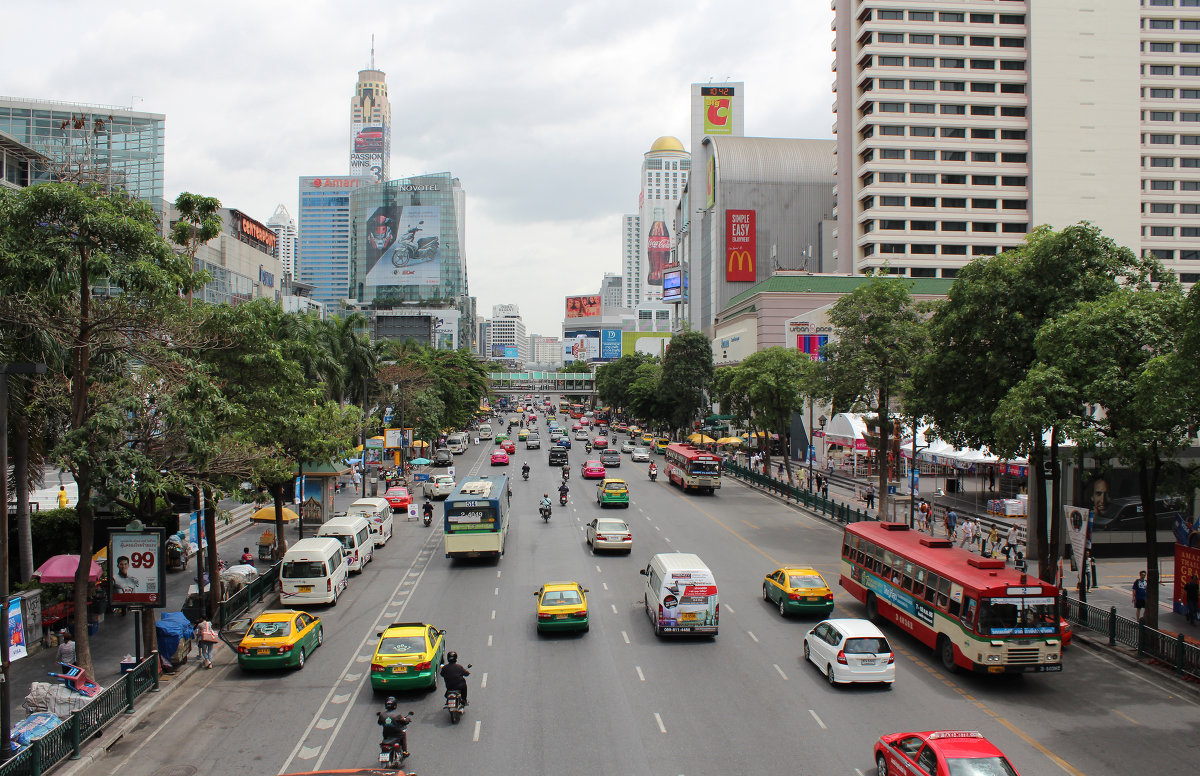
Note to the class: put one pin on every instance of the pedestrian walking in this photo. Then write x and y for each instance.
(779, 471)
(951, 524)
(968, 533)
(62, 496)
(1010, 541)
(1093, 576)
(992, 541)
(65, 656)
(1191, 596)
(870, 496)
(825, 487)
(205, 637)
(1139, 595)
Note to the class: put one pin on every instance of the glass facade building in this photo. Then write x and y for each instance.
(323, 243)
(102, 142)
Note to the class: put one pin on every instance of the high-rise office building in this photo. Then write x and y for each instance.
(323, 244)
(631, 250)
(665, 170)
(612, 291)
(506, 334)
(960, 126)
(104, 143)
(371, 124)
(284, 227)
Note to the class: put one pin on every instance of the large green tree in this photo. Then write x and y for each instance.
(878, 336)
(614, 380)
(982, 346)
(687, 375)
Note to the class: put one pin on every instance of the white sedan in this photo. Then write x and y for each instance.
(848, 650)
(438, 486)
(628, 446)
(606, 533)
(640, 454)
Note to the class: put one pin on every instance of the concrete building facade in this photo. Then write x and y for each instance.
(284, 227)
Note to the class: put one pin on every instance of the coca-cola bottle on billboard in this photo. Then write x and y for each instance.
(658, 248)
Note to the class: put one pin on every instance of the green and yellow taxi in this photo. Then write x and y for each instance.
(798, 590)
(562, 606)
(279, 639)
(522, 435)
(635, 431)
(660, 445)
(408, 656)
(612, 490)
(646, 439)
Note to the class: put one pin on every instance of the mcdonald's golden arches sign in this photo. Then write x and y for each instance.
(739, 246)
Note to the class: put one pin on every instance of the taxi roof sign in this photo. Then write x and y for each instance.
(956, 734)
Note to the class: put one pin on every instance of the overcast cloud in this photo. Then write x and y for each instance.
(542, 109)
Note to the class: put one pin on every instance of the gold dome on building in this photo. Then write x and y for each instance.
(667, 143)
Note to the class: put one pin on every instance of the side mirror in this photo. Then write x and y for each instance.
(643, 572)
(535, 593)
(442, 632)
(585, 590)
(379, 635)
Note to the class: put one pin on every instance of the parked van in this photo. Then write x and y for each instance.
(313, 572)
(457, 443)
(485, 431)
(378, 514)
(681, 594)
(354, 532)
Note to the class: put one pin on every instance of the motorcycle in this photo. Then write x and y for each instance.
(525, 474)
(411, 250)
(545, 513)
(391, 754)
(653, 475)
(562, 499)
(427, 518)
(454, 704)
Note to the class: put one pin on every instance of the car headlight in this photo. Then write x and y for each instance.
(1052, 656)
(994, 658)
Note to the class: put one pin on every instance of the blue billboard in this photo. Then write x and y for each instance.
(610, 344)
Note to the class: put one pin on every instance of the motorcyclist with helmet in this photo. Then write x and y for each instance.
(562, 492)
(566, 471)
(525, 470)
(393, 723)
(455, 676)
(427, 511)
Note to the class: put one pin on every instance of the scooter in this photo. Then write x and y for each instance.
(454, 704)
(562, 499)
(545, 513)
(391, 754)
(654, 475)
(427, 519)
(525, 474)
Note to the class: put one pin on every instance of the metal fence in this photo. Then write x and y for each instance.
(250, 594)
(65, 740)
(835, 510)
(1167, 648)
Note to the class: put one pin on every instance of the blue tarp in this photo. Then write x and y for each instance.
(34, 726)
(170, 628)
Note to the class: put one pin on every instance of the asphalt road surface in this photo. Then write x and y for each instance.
(617, 699)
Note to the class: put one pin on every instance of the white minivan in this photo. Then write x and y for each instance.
(457, 442)
(378, 514)
(681, 594)
(313, 572)
(485, 431)
(354, 532)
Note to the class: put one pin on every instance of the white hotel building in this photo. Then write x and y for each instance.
(963, 124)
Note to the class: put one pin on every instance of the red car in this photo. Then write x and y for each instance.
(509, 446)
(941, 752)
(398, 497)
(600, 443)
(593, 470)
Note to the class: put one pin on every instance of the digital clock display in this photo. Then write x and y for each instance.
(716, 91)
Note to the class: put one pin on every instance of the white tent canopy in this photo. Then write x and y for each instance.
(847, 429)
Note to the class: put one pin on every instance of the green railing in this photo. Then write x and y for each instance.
(65, 740)
(250, 594)
(1170, 649)
(835, 510)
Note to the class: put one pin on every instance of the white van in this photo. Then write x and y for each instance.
(354, 532)
(313, 572)
(378, 514)
(457, 442)
(681, 594)
(485, 431)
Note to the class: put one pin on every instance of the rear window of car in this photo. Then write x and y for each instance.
(611, 526)
(561, 598)
(615, 486)
(270, 630)
(303, 569)
(401, 645)
(866, 645)
(805, 580)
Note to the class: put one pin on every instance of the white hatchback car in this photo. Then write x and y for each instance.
(628, 447)
(582, 435)
(640, 454)
(849, 650)
(606, 533)
(438, 486)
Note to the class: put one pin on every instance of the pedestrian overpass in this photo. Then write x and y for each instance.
(513, 383)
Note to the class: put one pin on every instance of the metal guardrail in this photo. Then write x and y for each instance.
(66, 739)
(835, 510)
(250, 594)
(1170, 649)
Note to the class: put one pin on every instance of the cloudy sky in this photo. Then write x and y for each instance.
(543, 109)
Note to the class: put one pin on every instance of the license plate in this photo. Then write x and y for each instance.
(814, 598)
(305, 588)
(867, 661)
(264, 651)
(687, 617)
(560, 616)
(399, 669)
(995, 669)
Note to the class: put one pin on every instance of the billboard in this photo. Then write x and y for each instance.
(583, 306)
(652, 343)
(369, 144)
(718, 113)
(246, 229)
(739, 246)
(500, 350)
(403, 246)
(581, 346)
(672, 284)
(140, 576)
(810, 332)
(610, 344)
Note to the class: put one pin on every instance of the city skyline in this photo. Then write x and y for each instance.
(248, 112)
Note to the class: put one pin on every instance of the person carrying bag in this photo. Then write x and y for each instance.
(206, 636)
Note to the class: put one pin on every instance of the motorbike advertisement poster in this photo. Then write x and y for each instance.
(404, 246)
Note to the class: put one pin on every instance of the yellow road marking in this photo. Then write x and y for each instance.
(1126, 716)
(1060, 762)
(752, 525)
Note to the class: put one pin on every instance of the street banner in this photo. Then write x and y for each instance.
(16, 630)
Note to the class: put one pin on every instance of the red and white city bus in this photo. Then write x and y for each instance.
(690, 467)
(973, 611)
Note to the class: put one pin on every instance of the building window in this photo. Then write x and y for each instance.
(1189, 209)
(1012, 88)
(954, 110)
(1162, 70)
(983, 204)
(1162, 140)
(954, 180)
(920, 16)
(891, 201)
(1189, 94)
(948, 16)
(954, 156)
(982, 40)
(954, 202)
(1013, 158)
(954, 226)
(953, 86)
(1012, 42)
(922, 131)
(922, 226)
(896, 226)
(1015, 228)
(1016, 112)
(1015, 204)
(1190, 48)
(1162, 207)
(1189, 70)
(1189, 185)
(1186, 162)
(924, 177)
(983, 156)
(983, 110)
(953, 64)
(1162, 94)
(951, 40)
(890, 15)
(1189, 231)
(922, 155)
(982, 18)
(922, 272)
(954, 250)
(897, 248)
(956, 132)
(921, 85)
(1162, 24)
(920, 107)
(891, 107)
(920, 61)
(1013, 180)
(1160, 47)
(983, 226)
(891, 37)
(891, 177)
(891, 153)
(891, 83)
(1185, 116)
(890, 130)
(920, 40)
(983, 87)
(1162, 185)
(1162, 231)
(983, 64)
(1159, 161)
(891, 61)
(922, 201)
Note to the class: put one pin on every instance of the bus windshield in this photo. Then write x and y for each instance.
(468, 519)
(1018, 616)
(706, 468)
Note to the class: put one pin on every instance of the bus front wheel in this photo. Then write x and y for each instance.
(872, 608)
(946, 650)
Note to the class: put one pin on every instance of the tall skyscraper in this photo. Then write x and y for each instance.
(631, 250)
(371, 124)
(506, 334)
(104, 143)
(959, 128)
(284, 227)
(323, 245)
(665, 170)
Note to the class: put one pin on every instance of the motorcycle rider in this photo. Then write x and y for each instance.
(525, 470)
(455, 676)
(427, 510)
(653, 471)
(562, 491)
(393, 723)
(566, 470)
(545, 505)
(587, 446)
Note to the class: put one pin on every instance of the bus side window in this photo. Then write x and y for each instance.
(908, 580)
(919, 583)
(968, 614)
(943, 594)
(931, 585)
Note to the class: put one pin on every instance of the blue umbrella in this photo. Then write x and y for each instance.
(420, 461)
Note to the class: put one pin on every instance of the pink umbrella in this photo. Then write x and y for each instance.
(61, 568)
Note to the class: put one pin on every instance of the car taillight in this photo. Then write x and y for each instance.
(328, 585)
(582, 613)
(829, 596)
(891, 658)
(628, 537)
(354, 557)
(795, 596)
(716, 614)
(286, 648)
(544, 616)
(242, 650)
(377, 667)
(660, 612)
(842, 657)
(423, 666)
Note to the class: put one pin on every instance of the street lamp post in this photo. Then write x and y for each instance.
(812, 448)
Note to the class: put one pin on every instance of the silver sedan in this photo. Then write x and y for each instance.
(606, 533)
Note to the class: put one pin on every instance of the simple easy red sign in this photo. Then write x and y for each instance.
(739, 246)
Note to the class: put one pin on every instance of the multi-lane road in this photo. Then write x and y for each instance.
(618, 699)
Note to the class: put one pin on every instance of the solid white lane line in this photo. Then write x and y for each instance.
(751, 634)
(780, 670)
(599, 570)
(818, 719)
(661, 727)
(614, 607)
(493, 614)
(605, 585)
(641, 676)
(475, 737)
(656, 528)
(483, 682)
(489, 639)
(625, 636)
(667, 539)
